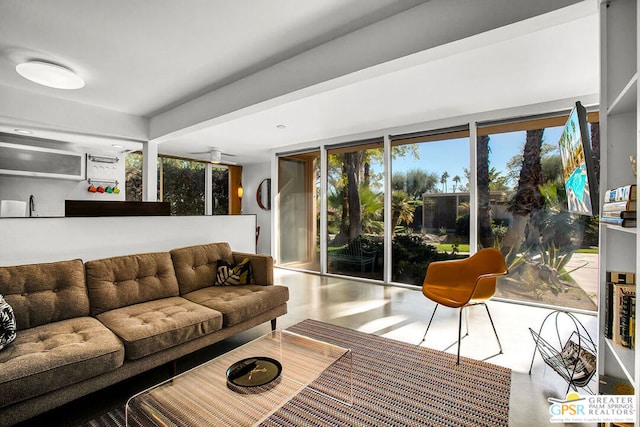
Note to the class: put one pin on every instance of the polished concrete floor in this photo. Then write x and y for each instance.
(403, 314)
(393, 312)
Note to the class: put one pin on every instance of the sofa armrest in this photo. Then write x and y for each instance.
(262, 266)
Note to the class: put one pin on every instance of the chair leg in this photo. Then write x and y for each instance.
(493, 326)
(495, 332)
(424, 337)
(459, 333)
(466, 321)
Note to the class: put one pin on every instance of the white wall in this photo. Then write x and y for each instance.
(252, 176)
(34, 240)
(49, 194)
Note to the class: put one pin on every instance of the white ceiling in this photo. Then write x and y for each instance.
(196, 74)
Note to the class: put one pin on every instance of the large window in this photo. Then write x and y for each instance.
(552, 255)
(298, 190)
(517, 194)
(429, 201)
(220, 190)
(182, 184)
(355, 210)
(133, 176)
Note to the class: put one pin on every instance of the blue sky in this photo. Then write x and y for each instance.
(452, 155)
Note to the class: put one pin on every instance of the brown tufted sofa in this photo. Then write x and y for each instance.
(84, 326)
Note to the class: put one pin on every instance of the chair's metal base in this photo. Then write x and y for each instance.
(466, 325)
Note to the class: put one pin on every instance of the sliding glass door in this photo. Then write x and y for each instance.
(552, 254)
(430, 201)
(518, 193)
(355, 210)
(298, 210)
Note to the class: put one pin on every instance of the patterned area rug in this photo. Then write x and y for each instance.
(395, 384)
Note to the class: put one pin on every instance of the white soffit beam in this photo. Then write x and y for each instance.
(51, 115)
(427, 26)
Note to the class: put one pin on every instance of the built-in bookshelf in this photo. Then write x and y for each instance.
(619, 124)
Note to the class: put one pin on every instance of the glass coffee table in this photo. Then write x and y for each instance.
(203, 397)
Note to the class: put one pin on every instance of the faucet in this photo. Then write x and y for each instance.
(32, 205)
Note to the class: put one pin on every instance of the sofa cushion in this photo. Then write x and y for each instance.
(240, 303)
(152, 326)
(48, 357)
(7, 324)
(234, 274)
(196, 266)
(45, 293)
(262, 266)
(125, 280)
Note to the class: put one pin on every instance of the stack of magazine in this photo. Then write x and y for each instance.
(575, 362)
(619, 206)
(581, 359)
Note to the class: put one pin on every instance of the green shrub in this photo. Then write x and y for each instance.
(411, 256)
(462, 225)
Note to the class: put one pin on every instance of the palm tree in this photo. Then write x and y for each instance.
(402, 209)
(528, 200)
(457, 180)
(346, 170)
(485, 233)
(353, 162)
(443, 180)
(372, 210)
(497, 181)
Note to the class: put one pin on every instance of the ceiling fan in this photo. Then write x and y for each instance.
(216, 155)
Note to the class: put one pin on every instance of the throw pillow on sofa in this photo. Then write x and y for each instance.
(234, 274)
(7, 324)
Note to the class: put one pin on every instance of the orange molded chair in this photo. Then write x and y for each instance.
(464, 283)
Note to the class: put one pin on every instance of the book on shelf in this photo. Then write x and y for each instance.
(620, 317)
(622, 222)
(621, 277)
(624, 205)
(627, 339)
(613, 304)
(608, 310)
(619, 214)
(626, 192)
(632, 322)
(621, 313)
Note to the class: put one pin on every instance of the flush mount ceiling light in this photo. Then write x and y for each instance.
(51, 75)
(23, 131)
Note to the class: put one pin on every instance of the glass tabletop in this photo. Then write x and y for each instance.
(202, 396)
